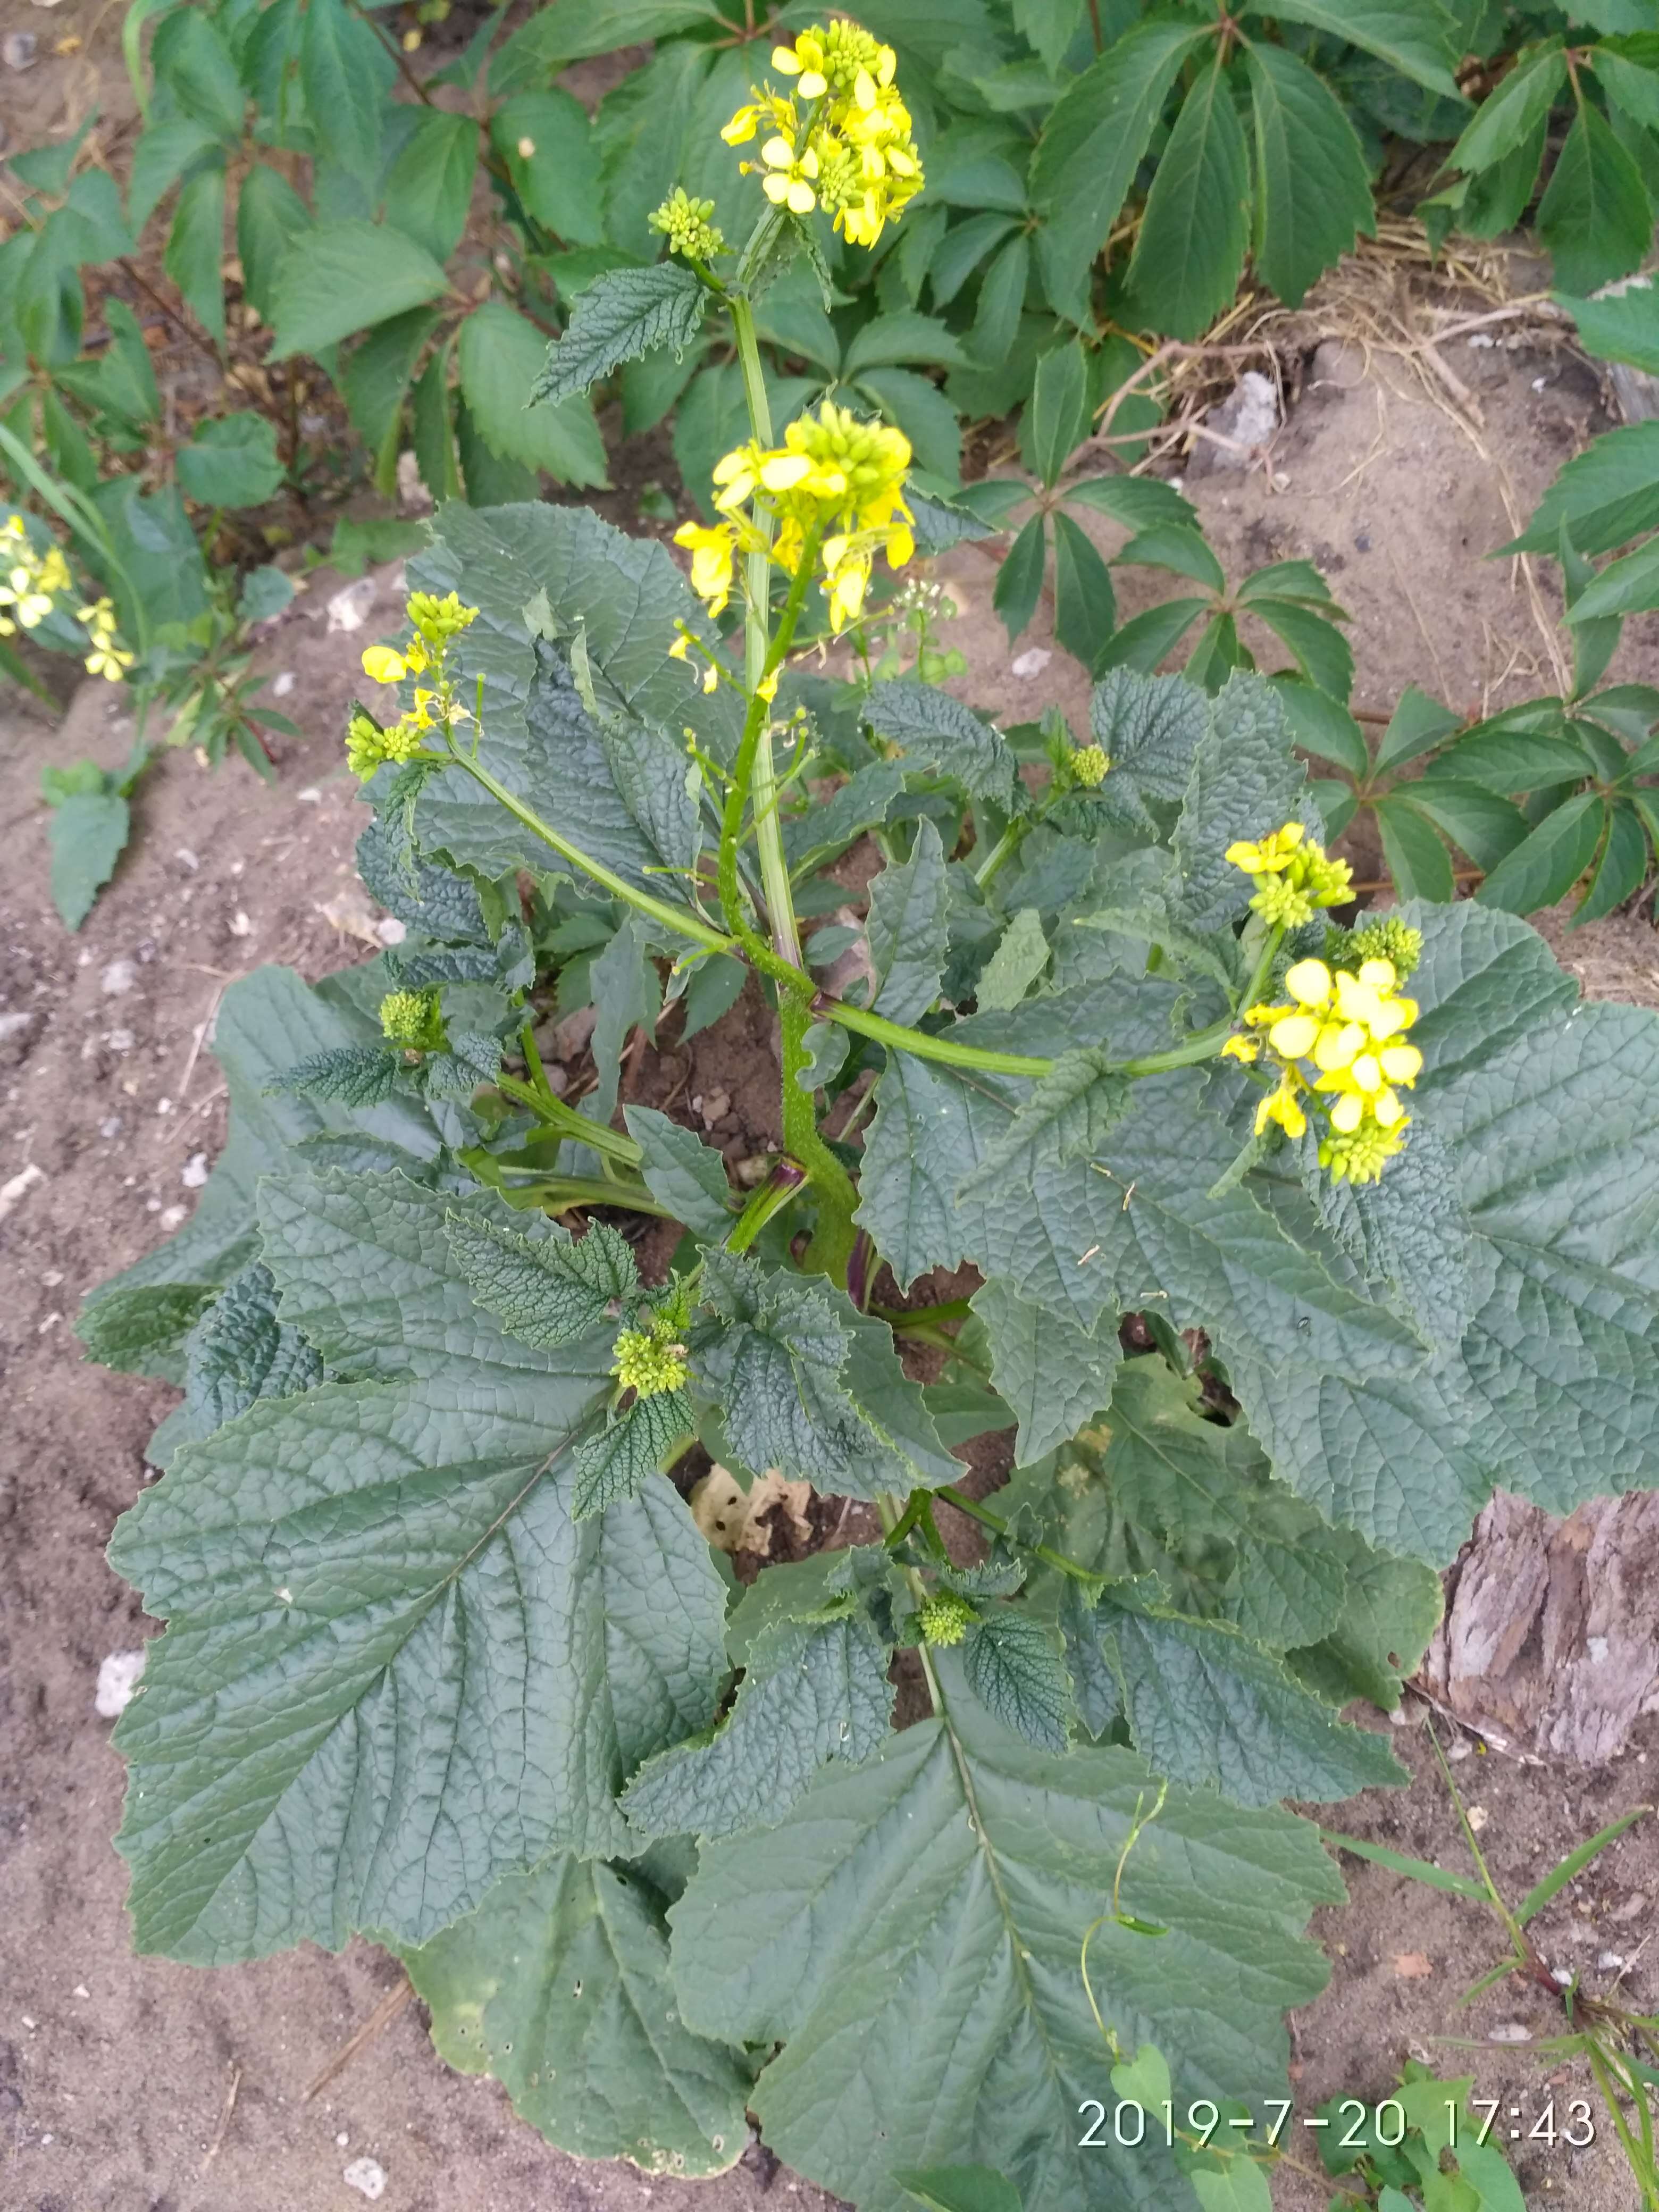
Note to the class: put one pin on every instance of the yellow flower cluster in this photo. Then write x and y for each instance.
(413, 1019)
(686, 224)
(645, 1363)
(30, 586)
(435, 622)
(836, 484)
(107, 658)
(1351, 1028)
(855, 156)
(1291, 878)
(1089, 765)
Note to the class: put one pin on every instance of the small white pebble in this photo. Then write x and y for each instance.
(164, 1106)
(310, 796)
(1511, 2032)
(239, 924)
(390, 930)
(152, 1205)
(118, 978)
(342, 2139)
(237, 866)
(1598, 1648)
(1458, 1750)
(81, 1990)
(281, 684)
(1610, 1961)
(187, 860)
(44, 2140)
(172, 1217)
(19, 1187)
(1539, 383)
(13, 1025)
(1561, 1974)
(1482, 342)
(52, 1276)
(110, 1126)
(364, 2173)
(1031, 662)
(118, 1678)
(27, 2021)
(51, 1321)
(1479, 1817)
(194, 1172)
(119, 1040)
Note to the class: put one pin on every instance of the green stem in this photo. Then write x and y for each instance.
(983, 1514)
(1003, 850)
(833, 1239)
(569, 1123)
(670, 917)
(785, 1184)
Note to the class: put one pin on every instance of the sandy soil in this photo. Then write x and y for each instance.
(136, 2086)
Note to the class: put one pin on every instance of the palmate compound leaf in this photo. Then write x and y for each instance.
(266, 1022)
(807, 1384)
(913, 1931)
(1552, 1117)
(813, 1691)
(558, 1986)
(396, 1668)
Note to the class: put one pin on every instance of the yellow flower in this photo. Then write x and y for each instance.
(1283, 1106)
(108, 659)
(712, 560)
(645, 1364)
(805, 60)
(381, 664)
(1240, 1047)
(1269, 854)
(858, 160)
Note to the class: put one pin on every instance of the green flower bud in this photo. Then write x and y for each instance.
(1089, 764)
(414, 1019)
(945, 1619)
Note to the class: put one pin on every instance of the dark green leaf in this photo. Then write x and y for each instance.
(1595, 218)
(1607, 496)
(1320, 652)
(1622, 867)
(895, 338)
(812, 1692)
(1020, 956)
(195, 249)
(1477, 821)
(1195, 230)
(939, 733)
(1313, 188)
(1547, 865)
(500, 360)
(1094, 140)
(1053, 1375)
(619, 1459)
(1419, 37)
(1417, 725)
(963, 2188)
(377, 377)
(428, 189)
(231, 462)
(923, 413)
(189, 55)
(138, 1328)
(1245, 783)
(909, 929)
(558, 180)
(1413, 852)
(1146, 639)
(1068, 1115)
(558, 1986)
(240, 1350)
(1628, 586)
(682, 1172)
(1001, 297)
(1013, 1670)
(1058, 410)
(1019, 580)
(344, 276)
(1322, 725)
(352, 1074)
(270, 216)
(340, 70)
(1508, 117)
(1086, 605)
(620, 315)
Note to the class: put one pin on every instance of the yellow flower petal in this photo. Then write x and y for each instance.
(1310, 982)
(778, 154)
(1348, 1114)
(787, 59)
(801, 198)
(1401, 1063)
(1294, 1036)
(777, 188)
(1379, 974)
(1338, 1046)
(382, 665)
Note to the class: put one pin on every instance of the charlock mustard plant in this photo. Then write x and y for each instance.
(449, 1658)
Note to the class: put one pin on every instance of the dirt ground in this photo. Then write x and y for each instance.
(136, 2086)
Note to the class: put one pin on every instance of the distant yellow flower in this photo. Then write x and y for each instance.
(1293, 878)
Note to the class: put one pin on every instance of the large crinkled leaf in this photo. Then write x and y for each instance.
(909, 929)
(554, 756)
(913, 1931)
(1207, 1706)
(938, 733)
(1245, 782)
(1010, 1663)
(558, 1986)
(396, 1668)
(808, 1385)
(1390, 1608)
(1054, 1376)
(364, 1268)
(1410, 1231)
(1553, 1120)
(813, 1692)
(618, 1460)
(682, 1172)
(266, 1022)
(1149, 727)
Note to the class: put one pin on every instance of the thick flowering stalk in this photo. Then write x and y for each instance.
(435, 709)
(854, 155)
(836, 483)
